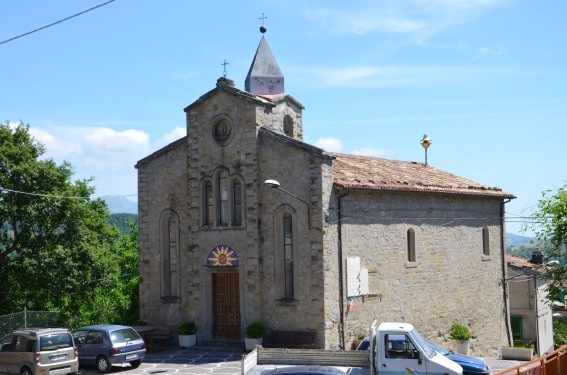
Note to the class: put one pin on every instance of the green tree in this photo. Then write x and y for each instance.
(549, 222)
(57, 250)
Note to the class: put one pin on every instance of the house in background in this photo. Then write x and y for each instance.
(531, 314)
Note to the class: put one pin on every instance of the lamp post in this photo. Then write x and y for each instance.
(276, 185)
(425, 143)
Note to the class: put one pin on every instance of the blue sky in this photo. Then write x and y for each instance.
(485, 79)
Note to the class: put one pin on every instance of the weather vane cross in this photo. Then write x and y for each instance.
(224, 64)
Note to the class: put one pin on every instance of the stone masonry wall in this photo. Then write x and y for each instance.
(450, 282)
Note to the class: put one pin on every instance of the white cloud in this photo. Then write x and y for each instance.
(399, 76)
(56, 148)
(102, 140)
(369, 151)
(486, 51)
(329, 144)
(172, 136)
(419, 18)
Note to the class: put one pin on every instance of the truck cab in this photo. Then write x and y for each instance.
(398, 349)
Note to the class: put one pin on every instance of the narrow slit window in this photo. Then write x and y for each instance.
(223, 199)
(237, 203)
(288, 257)
(485, 241)
(209, 203)
(411, 256)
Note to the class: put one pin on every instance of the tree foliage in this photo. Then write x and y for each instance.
(57, 250)
(549, 222)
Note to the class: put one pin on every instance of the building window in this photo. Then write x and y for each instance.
(286, 253)
(237, 203)
(288, 126)
(223, 198)
(169, 233)
(288, 256)
(485, 241)
(411, 256)
(209, 203)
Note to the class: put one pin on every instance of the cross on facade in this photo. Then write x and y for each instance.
(224, 64)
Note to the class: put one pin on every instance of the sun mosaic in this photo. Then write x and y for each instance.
(222, 255)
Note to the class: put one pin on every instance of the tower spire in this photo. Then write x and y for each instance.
(265, 76)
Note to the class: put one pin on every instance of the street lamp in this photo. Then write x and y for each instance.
(276, 185)
(426, 142)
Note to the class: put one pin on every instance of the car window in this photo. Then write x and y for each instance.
(79, 336)
(94, 337)
(6, 344)
(123, 335)
(55, 341)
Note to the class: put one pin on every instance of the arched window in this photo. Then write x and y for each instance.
(223, 198)
(237, 203)
(288, 126)
(485, 241)
(411, 256)
(288, 256)
(169, 232)
(286, 253)
(209, 203)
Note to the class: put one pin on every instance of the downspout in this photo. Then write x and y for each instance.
(536, 314)
(504, 281)
(340, 259)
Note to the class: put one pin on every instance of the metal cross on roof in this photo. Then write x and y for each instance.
(263, 18)
(224, 64)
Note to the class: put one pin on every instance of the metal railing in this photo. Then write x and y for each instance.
(27, 319)
(554, 363)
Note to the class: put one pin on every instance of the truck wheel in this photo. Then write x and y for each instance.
(26, 371)
(102, 365)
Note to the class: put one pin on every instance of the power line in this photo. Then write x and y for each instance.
(55, 23)
(41, 195)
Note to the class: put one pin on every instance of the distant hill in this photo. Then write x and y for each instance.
(517, 240)
(121, 221)
(120, 205)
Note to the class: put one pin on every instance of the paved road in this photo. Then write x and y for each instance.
(214, 361)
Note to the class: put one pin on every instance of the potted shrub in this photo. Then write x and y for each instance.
(462, 335)
(358, 337)
(254, 335)
(187, 334)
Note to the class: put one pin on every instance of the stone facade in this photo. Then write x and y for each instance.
(287, 248)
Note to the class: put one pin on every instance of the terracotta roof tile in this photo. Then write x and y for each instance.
(524, 264)
(370, 173)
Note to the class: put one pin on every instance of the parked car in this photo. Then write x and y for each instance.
(470, 365)
(304, 370)
(35, 351)
(105, 345)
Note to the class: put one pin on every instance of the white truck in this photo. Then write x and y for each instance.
(395, 349)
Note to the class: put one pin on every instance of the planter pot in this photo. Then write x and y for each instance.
(463, 346)
(187, 341)
(521, 354)
(250, 344)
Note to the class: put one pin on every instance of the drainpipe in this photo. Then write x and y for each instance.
(504, 282)
(340, 259)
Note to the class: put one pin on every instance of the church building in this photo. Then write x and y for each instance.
(242, 221)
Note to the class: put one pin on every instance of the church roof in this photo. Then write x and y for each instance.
(265, 76)
(371, 173)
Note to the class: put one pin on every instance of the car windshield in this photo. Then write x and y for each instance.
(427, 350)
(437, 348)
(55, 341)
(126, 334)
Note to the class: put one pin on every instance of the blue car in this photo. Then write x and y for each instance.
(105, 345)
(470, 365)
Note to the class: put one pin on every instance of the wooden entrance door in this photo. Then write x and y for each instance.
(226, 305)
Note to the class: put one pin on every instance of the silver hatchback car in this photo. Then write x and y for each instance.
(38, 351)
